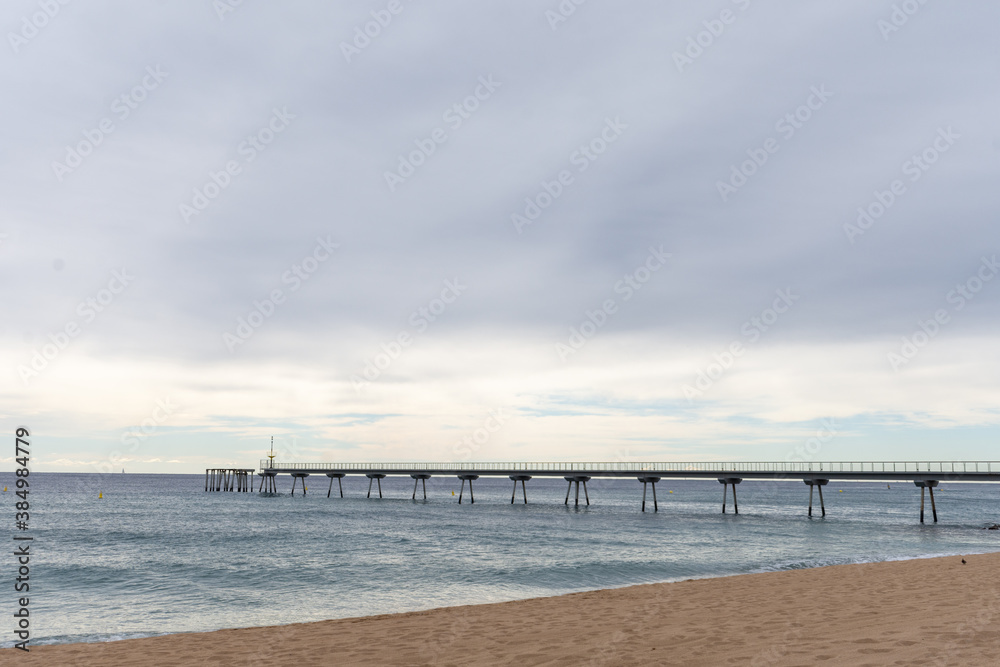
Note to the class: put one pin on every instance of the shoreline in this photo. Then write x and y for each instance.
(775, 617)
(148, 635)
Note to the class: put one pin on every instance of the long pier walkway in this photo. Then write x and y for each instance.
(926, 475)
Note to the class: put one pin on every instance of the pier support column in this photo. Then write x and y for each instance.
(930, 485)
(576, 479)
(377, 477)
(730, 481)
(469, 478)
(522, 479)
(930, 490)
(818, 483)
(267, 481)
(339, 476)
(423, 478)
(297, 476)
(653, 481)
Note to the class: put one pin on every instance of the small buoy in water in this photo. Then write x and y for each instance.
(5, 489)
(452, 493)
(669, 491)
(841, 490)
(100, 494)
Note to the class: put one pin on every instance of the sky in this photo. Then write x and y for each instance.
(498, 231)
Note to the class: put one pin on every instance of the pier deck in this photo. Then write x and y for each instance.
(980, 471)
(926, 475)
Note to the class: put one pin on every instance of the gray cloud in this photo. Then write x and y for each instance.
(657, 184)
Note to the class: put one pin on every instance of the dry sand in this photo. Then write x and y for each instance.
(920, 612)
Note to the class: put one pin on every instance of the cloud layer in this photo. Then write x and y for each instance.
(655, 231)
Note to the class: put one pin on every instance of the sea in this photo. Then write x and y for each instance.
(132, 555)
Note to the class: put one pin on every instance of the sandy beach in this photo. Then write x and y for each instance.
(935, 611)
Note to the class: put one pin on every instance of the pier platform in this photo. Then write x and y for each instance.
(925, 475)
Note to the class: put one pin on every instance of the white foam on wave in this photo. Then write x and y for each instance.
(857, 560)
(86, 639)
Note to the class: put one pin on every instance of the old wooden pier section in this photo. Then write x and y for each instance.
(926, 475)
(229, 479)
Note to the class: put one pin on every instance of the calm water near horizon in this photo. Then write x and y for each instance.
(158, 555)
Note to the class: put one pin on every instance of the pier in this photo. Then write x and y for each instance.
(229, 479)
(925, 475)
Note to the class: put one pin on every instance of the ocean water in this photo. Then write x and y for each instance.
(158, 555)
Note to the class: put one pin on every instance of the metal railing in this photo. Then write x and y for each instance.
(791, 467)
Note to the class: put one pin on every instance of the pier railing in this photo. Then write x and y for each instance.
(773, 467)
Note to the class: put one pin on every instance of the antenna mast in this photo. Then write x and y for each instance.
(271, 455)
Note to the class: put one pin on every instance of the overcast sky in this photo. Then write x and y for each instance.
(506, 230)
